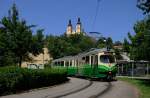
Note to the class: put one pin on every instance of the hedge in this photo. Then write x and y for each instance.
(15, 79)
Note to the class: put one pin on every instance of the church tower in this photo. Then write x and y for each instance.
(69, 28)
(78, 29)
(78, 26)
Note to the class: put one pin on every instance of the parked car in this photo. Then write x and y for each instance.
(35, 66)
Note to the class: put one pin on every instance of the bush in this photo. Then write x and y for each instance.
(14, 79)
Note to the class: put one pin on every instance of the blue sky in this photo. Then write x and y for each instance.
(114, 18)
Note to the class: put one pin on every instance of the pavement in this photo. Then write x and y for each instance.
(120, 89)
(116, 89)
(81, 88)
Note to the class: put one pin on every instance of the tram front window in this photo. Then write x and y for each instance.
(107, 59)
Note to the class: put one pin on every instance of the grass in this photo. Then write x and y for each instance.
(142, 85)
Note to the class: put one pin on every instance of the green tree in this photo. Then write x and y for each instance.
(144, 5)
(118, 55)
(117, 43)
(37, 42)
(101, 43)
(58, 48)
(6, 56)
(72, 45)
(86, 43)
(126, 46)
(109, 43)
(140, 45)
(19, 36)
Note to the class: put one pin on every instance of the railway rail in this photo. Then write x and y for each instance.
(72, 92)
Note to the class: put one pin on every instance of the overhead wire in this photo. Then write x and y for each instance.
(95, 34)
(96, 13)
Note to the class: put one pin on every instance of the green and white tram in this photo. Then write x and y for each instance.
(97, 63)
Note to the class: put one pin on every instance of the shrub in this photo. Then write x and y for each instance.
(14, 79)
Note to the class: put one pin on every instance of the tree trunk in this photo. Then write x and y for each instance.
(20, 61)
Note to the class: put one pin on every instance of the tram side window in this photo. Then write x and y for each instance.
(111, 59)
(58, 63)
(83, 58)
(62, 63)
(96, 60)
(91, 60)
(87, 60)
(67, 63)
(70, 63)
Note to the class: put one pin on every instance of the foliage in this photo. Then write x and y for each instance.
(144, 5)
(16, 39)
(5, 54)
(63, 45)
(13, 79)
(37, 42)
(60, 46)
(117, 43)
(126, 46)
(140, 45)
(117, 54)
(105, 42)
(101, 43)
(109, 43)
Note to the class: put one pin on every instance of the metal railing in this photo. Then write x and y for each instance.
(134, 68)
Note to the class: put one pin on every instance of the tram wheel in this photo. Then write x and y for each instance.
(109, 78)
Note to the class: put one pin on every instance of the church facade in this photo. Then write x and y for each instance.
(78, 30)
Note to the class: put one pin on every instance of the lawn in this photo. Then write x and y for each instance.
(142, 85)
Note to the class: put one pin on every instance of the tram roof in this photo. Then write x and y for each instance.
(94, 51)
(90, 52)
(64, 58)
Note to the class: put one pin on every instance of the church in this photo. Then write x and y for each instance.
(78, 30)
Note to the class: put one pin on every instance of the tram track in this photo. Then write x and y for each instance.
(72, 92)
(109, 86)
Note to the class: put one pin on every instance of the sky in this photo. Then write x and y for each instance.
(114, 18)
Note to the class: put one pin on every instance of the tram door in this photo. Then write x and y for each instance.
(94, 64)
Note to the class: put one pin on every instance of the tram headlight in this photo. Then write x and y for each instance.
(110, 72)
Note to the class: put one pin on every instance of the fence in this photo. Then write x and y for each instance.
(134, 68)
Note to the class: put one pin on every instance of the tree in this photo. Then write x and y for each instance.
(72, 45)
(18, 35)
(109, 43)
(6, 56)
(117, 43)
(101, 43)
(86, 43)
(144, 5)
(37, 42)
(126, 46)
(118, 55)
(57, 47)
(140, 45)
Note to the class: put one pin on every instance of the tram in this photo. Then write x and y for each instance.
(96, 63)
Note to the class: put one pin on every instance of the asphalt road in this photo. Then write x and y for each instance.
(81, 88)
